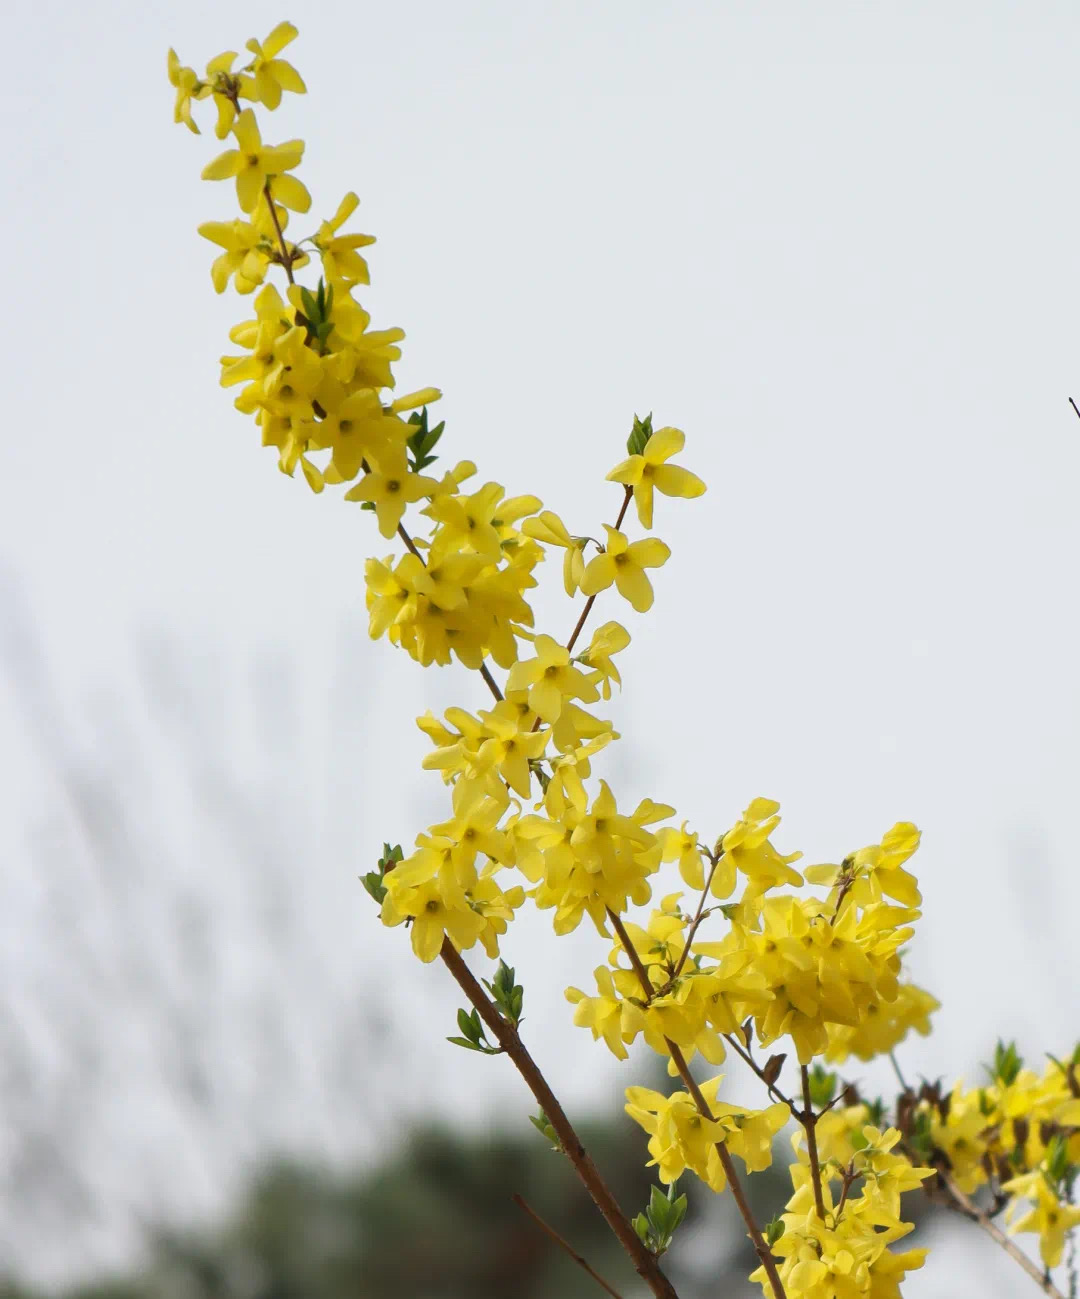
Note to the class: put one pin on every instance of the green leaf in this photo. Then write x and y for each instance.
(468, 1026)
(641, 1226)
(372, 882)
(822, 1086)
(542, 1124)
(774, 1230)
(433, 435)
(461, 1041)
(1057, 1157)
(659, 1209)
(1007, 1063)
(639, 435)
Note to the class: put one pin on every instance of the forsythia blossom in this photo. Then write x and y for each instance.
(753, 959)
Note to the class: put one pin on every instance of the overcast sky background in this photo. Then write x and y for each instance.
(836, 244)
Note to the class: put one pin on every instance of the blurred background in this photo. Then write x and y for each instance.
(836, 244)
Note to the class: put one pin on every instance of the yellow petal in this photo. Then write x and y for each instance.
(664, 443)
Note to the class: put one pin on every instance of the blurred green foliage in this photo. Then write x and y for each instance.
(436, 1221)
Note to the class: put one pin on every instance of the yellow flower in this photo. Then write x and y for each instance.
(432, 919)
(253, 164)
(624, 563)
(341, 262)
(188, 87)
(394, 594)
(682, 846)
(227, 87)
(391, 489)
(1050, 1217)
(607, 640)
(876, 870)
(250, 248)
(550, 679)
(608, 1015)
(509, 750)
(649, 470)
(550, 529)
(679, 1136)
(746, 847)
(273, 75)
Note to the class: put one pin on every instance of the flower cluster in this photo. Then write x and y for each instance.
(837, 1242)
(756, 958)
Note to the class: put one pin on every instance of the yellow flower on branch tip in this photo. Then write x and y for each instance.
(624, 563)
(273, 75)
(649, 470)
(188, 87)
(253, 164)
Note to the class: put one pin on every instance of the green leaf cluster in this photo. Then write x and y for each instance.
(657, 1225)
(639, 435)
(822, 1086)
(1007, 1063)
(506, 994)
(422, 440)
(373, 880)
(317, 309)
(774, 1230)
(473, 1037)
(542, 1124)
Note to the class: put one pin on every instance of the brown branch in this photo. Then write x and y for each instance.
(507, 1036)
(565, 1245)
(286, 256)
(409, 543)
(592, 598)
(675, 1051)
(965, 1205)
(714, 861)
(491, 683)
(808, 1119)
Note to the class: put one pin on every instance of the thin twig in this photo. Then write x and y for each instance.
(675, 1051)
(544, 1226)
(491, 683)
(898, 1071)
(1074, 406)
(964, 1204)
(509, 1039)
(592, 598)
(714, 861)
(286, 256)
(808, 1119)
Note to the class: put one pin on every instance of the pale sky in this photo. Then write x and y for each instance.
(835, 244)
